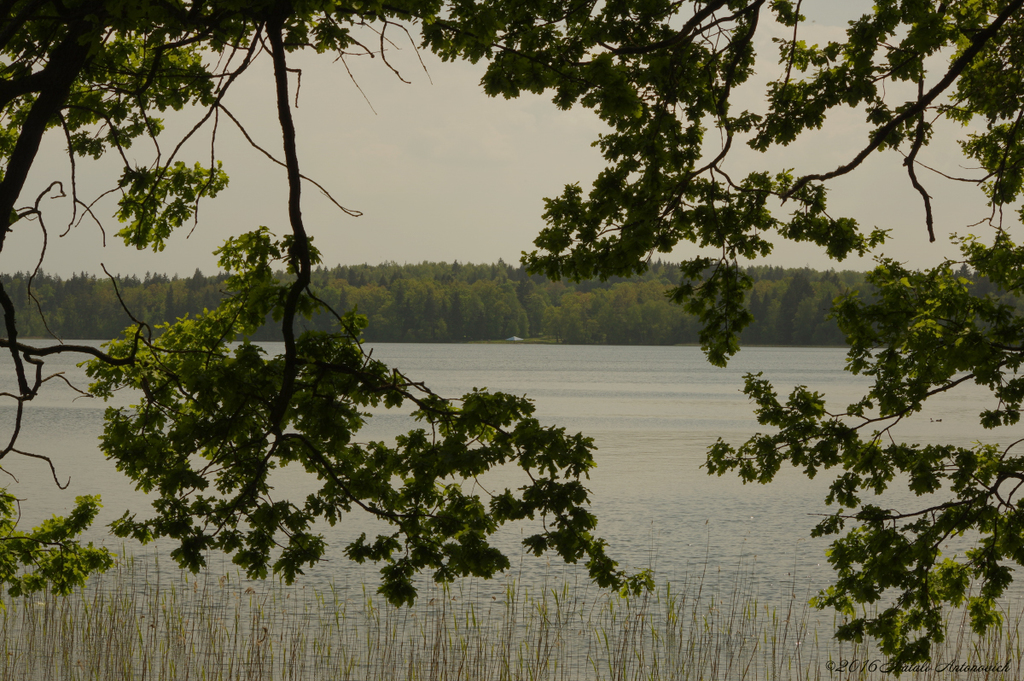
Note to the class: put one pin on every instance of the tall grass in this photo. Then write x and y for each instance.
(141, 622)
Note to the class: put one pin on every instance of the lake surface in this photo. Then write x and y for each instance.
(652, 411)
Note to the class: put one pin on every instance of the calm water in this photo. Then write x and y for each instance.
(653, 412)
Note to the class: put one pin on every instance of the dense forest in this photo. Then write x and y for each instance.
(442, 303)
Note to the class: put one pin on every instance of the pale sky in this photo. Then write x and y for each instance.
(441, 172)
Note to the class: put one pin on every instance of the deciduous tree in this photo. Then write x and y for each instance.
(661, 74)
(214, 418)
(665, 77)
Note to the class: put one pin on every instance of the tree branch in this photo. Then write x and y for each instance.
(909, 163)
(67, 61)
(978, 42)
(299, 255)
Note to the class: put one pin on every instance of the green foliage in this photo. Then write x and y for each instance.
(661, 87)
(444, 303)
(205, 439)
(920, 334)
(156, 202)
(58, 561)
(215, 419)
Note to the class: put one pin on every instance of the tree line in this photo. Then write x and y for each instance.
(433, 302)
(455, 302)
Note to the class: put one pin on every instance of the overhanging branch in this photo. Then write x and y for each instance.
(978, 42)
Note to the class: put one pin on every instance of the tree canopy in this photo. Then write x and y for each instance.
(215, 419)
(905, 68)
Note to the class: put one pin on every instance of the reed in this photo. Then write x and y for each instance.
(142, 622)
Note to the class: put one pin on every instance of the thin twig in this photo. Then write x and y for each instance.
(53, 470)
(245, 133)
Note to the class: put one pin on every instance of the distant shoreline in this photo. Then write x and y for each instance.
(453, 302)
(525, 341)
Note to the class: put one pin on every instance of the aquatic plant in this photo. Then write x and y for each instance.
(142, 621)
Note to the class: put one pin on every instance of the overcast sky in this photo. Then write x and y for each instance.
(441, 172)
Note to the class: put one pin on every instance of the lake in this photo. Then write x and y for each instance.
(652, 411)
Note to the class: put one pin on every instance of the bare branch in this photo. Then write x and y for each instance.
(384, 56)
(416, 50)
(19, 414)
(909, 163)
(117, 292)
(32, 352)
(245, 133)
(74, 177)
(53, 470)
(344, 63)
(42, 252)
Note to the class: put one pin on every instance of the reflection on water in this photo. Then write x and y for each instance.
(652, 411)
